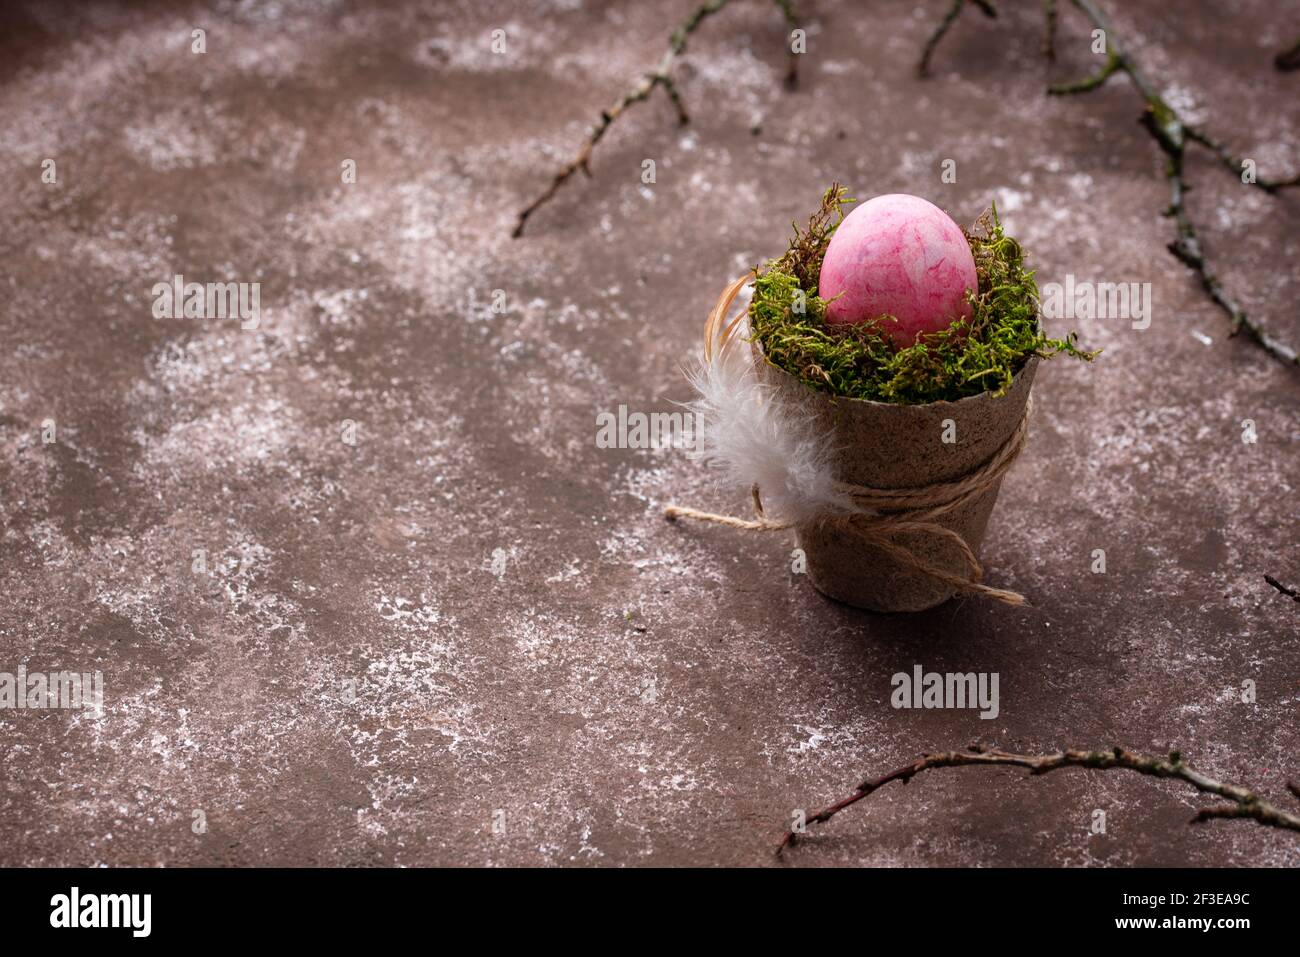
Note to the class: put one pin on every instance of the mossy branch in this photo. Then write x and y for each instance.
(1243, 803)
(1172, 134)
(660, 77)
(1090, 83)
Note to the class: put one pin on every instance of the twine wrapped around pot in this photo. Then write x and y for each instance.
(929, 531)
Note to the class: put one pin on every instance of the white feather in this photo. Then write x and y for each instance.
(754, 439)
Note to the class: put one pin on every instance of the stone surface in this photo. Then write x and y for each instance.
(522, 631)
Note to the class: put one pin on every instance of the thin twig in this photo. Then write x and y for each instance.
(1090, 83)
(639, 93)
(1236, 165)
(1289, 592)
(792, 21)
(1244, 802)
(1172, 133)
(660, 77)
(949, 18)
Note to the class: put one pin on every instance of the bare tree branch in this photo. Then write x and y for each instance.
(639, 93)
(1172, 133)
(1244, 802)
(792, 71)
(949, 18)
(660, 77)
(1238, 166)
(1289, 592)
(1088, 83)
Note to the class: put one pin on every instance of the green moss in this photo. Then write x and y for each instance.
(981, 354)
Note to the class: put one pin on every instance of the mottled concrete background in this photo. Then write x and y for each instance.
(623, 690)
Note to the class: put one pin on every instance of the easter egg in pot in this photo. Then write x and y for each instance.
(882, 398)
(902, 257)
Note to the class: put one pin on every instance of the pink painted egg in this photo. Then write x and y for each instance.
(898, 255)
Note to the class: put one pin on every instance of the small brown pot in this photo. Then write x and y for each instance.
(888, 446)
